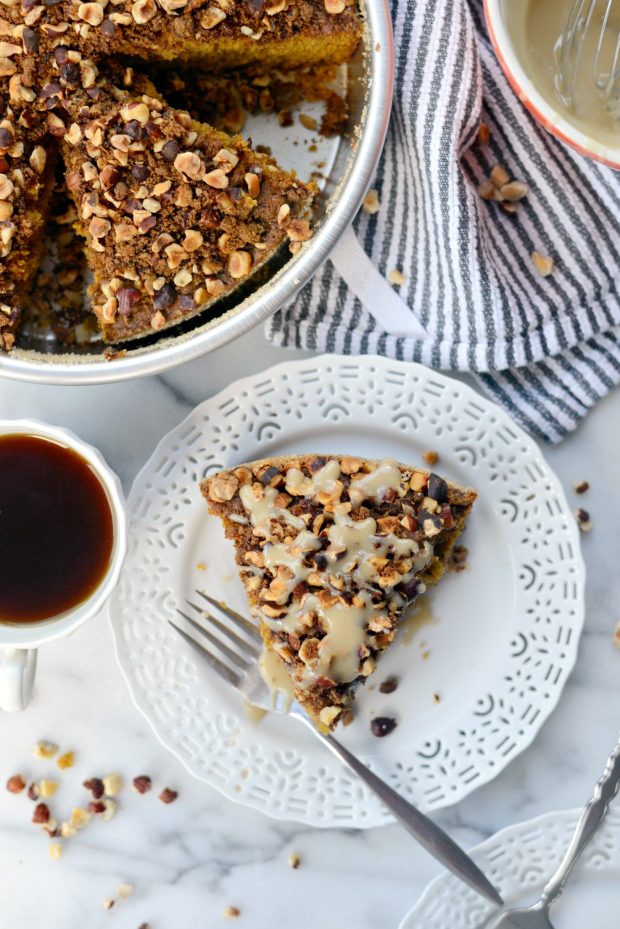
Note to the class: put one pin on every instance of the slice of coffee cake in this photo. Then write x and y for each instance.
(332, 550)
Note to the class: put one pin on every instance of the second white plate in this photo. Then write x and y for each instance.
(480, 668)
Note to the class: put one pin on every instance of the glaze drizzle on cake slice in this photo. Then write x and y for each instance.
(332, 551)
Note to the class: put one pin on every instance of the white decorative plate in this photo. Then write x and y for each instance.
(493, 646)
(519, 861)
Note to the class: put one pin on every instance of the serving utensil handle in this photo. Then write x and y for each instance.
(589, 822)
(423, 829)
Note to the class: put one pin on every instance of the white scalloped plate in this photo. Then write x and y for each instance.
(519, 861)
(477, 681)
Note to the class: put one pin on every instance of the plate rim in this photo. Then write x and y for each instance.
(237, 386)
(478, 851)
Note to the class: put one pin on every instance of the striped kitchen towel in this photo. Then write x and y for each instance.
(547, 348)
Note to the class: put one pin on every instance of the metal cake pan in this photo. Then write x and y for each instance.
(348, 164)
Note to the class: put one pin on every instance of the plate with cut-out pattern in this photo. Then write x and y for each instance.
(483, 659)
(519, 861)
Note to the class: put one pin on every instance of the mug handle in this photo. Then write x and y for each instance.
(17, 670)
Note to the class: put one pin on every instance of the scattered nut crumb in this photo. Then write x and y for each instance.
(15, 784)
(483, 136)
(96, 807)
(431, 458)
(144, 926)
(168, 796)
(108, 903)
(231, 911)
(47, 789)
(45, 750)
(294, 860)
(67, 831)
(581, 487)
(66, 760)
(201, 566)
(499, 188)
(112, 785)
(397, 277)
(95, 785)
(124, 891)
(543, 264)
(109, 811)
(389, 685)
(142, 784)
(33, 791)
(371, 203)
(436, 698)
(583, 520)
(55, 850)
(41, 815)
(382, 726)
(308, 122)
(616, 638)
(79, 817)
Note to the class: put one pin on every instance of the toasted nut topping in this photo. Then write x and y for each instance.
(253, 185)
(226, 159)
(6, 187)
(190, 164)
(98, 227)
(211, 17)
(158, 321)
(232, 911)
(15, 784)
(44, 749)
(192, 241)
(431, 458)
(91, 13)
(283, 213)
(112, 785)
(371, 202)
(38, 158)
(168, 796)
(217, 179)
(143, 10)
(223, 487)
(329, 714)
(138, 111)
(334, 6)
(543, 264)
(239, 264)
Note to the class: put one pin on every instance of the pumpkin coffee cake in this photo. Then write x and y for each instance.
(175, 213)
(332, 551)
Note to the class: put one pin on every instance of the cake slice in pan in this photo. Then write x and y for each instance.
(331, 551)
(175, 213)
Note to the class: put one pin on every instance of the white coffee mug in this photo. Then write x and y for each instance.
(19, 641)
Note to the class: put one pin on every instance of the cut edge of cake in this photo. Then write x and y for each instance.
(327, 586)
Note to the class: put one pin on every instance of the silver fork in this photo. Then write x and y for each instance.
(537, 916)
(233, 648)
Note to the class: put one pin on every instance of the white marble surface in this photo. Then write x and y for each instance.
(191, 860)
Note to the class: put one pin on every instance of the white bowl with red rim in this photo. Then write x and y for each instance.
(501, 16)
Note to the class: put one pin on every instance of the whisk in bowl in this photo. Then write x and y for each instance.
(589, 50)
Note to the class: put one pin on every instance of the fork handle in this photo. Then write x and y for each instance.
(589, 822)
(427, 833)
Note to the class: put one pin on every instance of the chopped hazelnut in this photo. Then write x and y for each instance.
(581, 487)
(168, 796)
(124, 891)
(371, 203)
(47, 789)
(55, 850)
(544, 265)
(232, 911)
(41, 814)
(294, 860)
(66, 760)
(45, 750)
(15, 784)
(239, 264)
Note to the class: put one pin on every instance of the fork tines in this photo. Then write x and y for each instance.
(230, 647)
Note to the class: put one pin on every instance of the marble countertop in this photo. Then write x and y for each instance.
(191, 860)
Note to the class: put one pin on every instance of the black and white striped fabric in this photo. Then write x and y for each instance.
(545, 348)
